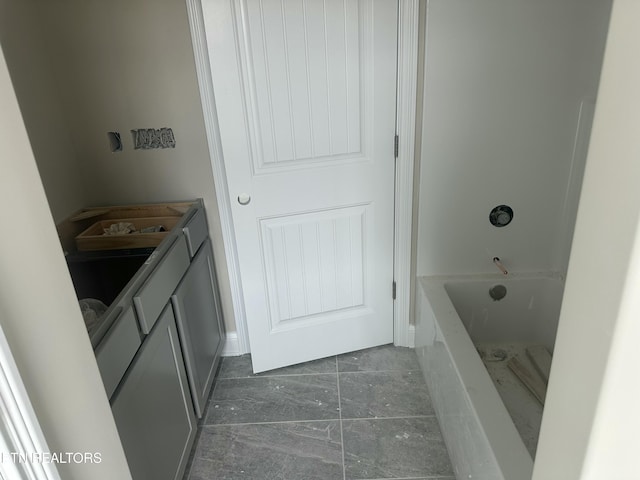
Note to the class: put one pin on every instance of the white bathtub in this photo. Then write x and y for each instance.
(483, 442)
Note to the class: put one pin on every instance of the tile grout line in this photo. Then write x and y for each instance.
(318, 373)
(200, 425)
(261, 375)
(379, 371)
(275, 422)
(430, 477)
(277, 376)
(353, 419)
(344, 467)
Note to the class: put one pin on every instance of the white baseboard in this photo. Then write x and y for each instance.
(412, 336)
(231, 346)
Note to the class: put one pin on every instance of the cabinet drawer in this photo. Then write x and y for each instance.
(158, 287)
(195, 231)
(117, 349)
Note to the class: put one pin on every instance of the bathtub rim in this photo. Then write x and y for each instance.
(510, 452)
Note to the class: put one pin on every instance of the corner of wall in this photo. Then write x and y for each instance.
(23, 38)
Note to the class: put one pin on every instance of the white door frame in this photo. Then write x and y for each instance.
(20, 432)
(408, 21)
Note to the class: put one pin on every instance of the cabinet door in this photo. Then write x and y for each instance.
(153, 409)
(197, 308)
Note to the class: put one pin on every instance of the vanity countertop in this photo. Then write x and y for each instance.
(112, 274)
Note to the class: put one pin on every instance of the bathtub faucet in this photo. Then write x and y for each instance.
(498, 263)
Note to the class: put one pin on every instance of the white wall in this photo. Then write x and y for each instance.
(30, 68)
(39, 313)
(504, 81)
(591, 418)
(118, 66)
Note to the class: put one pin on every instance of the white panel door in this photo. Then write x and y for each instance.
(305, 92)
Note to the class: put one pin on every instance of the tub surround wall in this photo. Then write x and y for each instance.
(504, 87)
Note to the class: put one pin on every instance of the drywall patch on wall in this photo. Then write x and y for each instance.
(146, 138)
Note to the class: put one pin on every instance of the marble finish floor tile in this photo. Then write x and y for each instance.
(240, 367)
(394, 448)
(305, 450)
(384, 394)
(371, 421)
(274, 399)
(379, 359)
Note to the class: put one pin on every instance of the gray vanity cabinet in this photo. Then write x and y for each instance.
(159, 342)
(153, 409)
(196, 306)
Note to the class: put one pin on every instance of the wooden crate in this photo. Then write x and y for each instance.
(93, 238)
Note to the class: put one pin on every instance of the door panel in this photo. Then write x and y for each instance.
(305, 93)
(304, 76)
(314, 265)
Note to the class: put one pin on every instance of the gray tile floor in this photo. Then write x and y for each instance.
(362, 415)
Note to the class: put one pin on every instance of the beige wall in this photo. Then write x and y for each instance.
(591, 418)
(22, 41)
(114, 66)
(40, 317)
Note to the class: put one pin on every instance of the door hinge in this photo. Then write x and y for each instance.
(395, 146)
(393, 289)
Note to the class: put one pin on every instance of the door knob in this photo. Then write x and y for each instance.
(244, 199)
